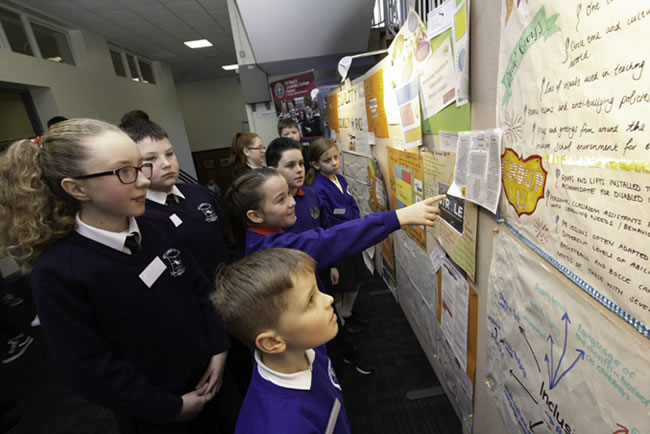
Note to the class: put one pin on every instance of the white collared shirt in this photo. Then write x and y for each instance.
(161, 197)
(114, 240)
(300, 380)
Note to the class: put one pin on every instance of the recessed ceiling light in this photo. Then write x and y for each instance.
(230, 67)
(199, 43)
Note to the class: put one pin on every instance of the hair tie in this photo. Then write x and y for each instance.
(38, 141)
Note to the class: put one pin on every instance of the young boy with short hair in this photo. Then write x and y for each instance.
(289, 128)
(271, 301)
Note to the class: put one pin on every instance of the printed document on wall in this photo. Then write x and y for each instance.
(477, 175)
(455, 303)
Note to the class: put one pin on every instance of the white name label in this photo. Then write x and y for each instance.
(153, 272)
(339, 211)
(176, 220)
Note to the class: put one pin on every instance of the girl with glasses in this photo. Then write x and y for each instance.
(123, 305)
(247, 151)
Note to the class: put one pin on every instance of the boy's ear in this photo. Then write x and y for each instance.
(255, 216)
(270, 343)
(75, 188)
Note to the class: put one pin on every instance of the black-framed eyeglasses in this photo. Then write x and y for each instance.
(126, 174)
(258, 148)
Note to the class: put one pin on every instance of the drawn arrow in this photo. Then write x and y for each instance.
(581, 355)
(623, 429)
(566, 320)
(533, 425)
(549, 363)
(521, 384)
(521, 329)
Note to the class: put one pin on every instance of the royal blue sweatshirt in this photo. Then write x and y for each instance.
(340, 206)
(310, 213)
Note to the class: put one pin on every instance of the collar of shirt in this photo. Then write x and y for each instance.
(264, 230)
(336, 182)
(160, 196)
(114, 240)
(300, 192)
(298, 380)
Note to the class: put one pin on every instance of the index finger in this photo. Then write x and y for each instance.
(434, 199)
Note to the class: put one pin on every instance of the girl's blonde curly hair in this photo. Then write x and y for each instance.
(35, 211)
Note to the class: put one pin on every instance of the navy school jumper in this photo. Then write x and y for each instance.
(310, 213)
(327, 246)
(201, 228)
(131, 348)
(340, 206)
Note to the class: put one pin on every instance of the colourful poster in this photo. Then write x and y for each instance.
(572, 101)
(455, 230)
(407, 186)
(353, 123)
(293, 100)
(557, 361)
(375, 111)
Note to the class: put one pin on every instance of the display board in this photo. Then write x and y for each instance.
(573, 104)
(556, 364)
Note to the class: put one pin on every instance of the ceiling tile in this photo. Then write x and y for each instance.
(124, 16)
(139, 4)
(153, 13)
(100, 6)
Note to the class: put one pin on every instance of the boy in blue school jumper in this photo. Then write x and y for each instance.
(192, 209)
(271, 301)
(197, 216)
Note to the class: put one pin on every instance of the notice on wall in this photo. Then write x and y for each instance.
(455, 230)
(556, 364)
(293, 100)
(353, 123)
(573, 104)
(477, 175)
(440, 18)
(355, 169)
(407, 186)
(460, 32)
(375, 108)
(437, 81)
(455, 304)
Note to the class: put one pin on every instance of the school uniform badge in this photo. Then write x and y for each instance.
(173, 258)
(208, 212)
(314, 212)
(332, 375)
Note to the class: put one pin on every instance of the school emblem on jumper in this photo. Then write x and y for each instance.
(208, 212)
(332, 374)
(173, 257)
(314, 211)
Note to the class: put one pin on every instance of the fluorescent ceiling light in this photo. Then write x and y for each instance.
(230, 67)
(199, 43)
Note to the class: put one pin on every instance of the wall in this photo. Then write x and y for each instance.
(213, 110)
(93, 90)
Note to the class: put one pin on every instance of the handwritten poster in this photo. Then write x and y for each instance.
(355, 169)
(455, 230)
(573, 104)
(556, 364)
(407, 186)
(353, 123)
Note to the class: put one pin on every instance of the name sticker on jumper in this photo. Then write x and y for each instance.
(176, 220)
(334, 415)
(153, 272)
(339, 211)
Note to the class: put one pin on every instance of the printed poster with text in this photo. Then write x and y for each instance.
(557, 361)
(573, 102)
(455, 230)
(406, 175)
(353, 123)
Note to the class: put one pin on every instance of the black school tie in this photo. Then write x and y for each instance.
(132, 244)
(171, 200)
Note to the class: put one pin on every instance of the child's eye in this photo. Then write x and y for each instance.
(169, 154)
(150, 159)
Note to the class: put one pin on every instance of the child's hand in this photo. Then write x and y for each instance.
(334, 275)
(212, 378)
(420, 213)
(192, 405)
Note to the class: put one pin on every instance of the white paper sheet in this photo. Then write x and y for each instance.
(438, 80)
(477, 175)
(455, 311)
(440, 19)
(448, 141)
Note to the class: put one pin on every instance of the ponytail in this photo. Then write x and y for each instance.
(245, 194)
(316, 151)
(35, 211)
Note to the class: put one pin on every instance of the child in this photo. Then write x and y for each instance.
(271, 301)
(341, 207)
(289, 128)
(192, 209)
(124, 307)
(248, 152)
